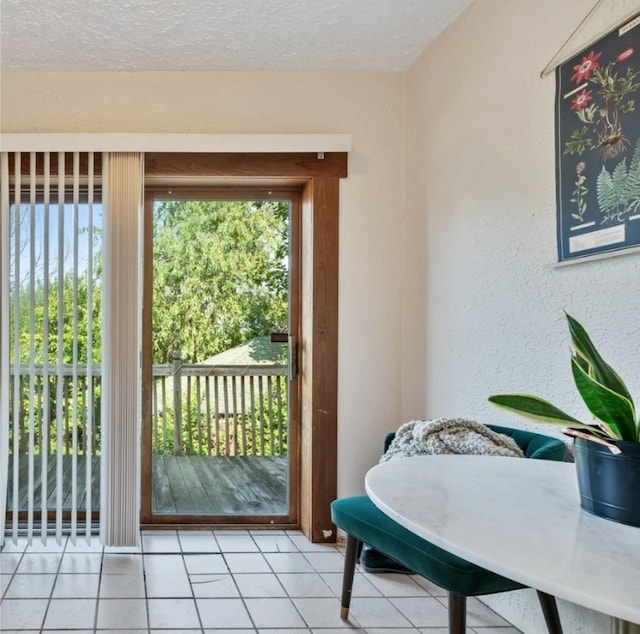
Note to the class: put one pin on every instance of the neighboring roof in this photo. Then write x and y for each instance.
(257, 351)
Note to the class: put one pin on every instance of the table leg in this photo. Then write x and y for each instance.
(618, 626)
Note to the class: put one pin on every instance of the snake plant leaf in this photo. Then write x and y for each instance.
(602, 372)
(606, 404)
(533, 407)
(584, 364)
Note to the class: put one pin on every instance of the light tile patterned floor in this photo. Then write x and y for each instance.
(222, 582)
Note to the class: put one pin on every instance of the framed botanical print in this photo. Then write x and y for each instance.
(598, 146)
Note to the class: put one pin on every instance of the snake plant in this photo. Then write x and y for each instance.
(601, 388)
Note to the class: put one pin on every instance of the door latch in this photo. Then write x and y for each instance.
(292, 353)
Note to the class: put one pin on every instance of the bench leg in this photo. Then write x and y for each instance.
(550, 612)
(350, 556)
(457, 613)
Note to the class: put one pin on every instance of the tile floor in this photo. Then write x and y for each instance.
(218, 582)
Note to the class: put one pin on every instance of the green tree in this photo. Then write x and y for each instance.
(220, 275)
(81, 312)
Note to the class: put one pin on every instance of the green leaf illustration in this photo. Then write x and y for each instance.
(618, 191)
(578, 143)
(606, 192)
(628, 107)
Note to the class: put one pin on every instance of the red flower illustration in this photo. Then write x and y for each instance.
(581, 100)
(624, 55)
(585, 67)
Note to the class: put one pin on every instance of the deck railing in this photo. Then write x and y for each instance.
(197, 409)
(220, 410)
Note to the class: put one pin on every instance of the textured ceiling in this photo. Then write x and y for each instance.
(137, 35)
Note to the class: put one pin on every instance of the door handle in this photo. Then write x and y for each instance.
(292, 361)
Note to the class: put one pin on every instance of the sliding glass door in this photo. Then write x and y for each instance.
(51, 348)
(220, 432)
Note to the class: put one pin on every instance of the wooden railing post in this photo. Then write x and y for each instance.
(177, 402)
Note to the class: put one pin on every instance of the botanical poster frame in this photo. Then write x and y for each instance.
(598, 146)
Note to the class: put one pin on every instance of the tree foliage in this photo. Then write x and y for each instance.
(69, 314)
(220, 275)
(220, 279)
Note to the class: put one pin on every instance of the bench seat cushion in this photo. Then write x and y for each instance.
(359, 517)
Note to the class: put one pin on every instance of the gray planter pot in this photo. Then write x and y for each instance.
(609, 484)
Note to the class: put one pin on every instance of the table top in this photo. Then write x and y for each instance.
(520, 518)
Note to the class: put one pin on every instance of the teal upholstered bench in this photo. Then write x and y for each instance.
(363, 522)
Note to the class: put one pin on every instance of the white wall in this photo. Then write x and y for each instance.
(370, 106)
(483, 304)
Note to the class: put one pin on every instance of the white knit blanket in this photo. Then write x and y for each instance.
(449, 436)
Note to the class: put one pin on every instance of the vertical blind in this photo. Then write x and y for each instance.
(69, 354)
(120, 492)
(50, 250)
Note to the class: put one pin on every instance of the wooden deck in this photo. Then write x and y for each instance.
(219, 485)
(52, 488)
(184, 485)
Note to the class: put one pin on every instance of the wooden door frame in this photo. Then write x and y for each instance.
(318, 177)
(319, 324)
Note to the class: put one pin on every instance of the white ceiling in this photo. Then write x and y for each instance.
(138, 35)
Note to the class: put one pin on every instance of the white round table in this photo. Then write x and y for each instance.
(519, 518)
